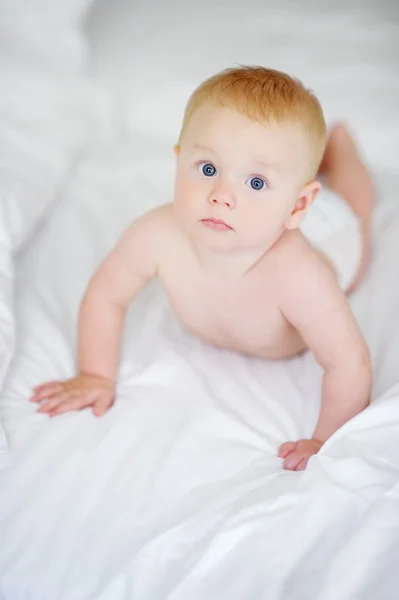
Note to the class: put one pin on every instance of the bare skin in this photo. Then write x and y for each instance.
(347, 175)
(238, 272)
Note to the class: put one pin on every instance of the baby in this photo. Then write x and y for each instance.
(229, 253)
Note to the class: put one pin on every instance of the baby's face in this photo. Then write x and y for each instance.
(238, 181)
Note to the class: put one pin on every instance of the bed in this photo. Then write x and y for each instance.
(177, 492)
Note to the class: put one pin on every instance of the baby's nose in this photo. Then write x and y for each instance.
(222, 197)
(225, 202)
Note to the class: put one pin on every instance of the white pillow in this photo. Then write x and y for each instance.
(49, 109)
(46, 104)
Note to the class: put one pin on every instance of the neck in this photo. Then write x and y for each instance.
(236, 263)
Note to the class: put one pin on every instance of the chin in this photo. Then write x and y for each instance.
(217, 241)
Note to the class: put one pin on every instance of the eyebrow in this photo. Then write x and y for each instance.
(202, 147)
(254, 161)
(263, 165)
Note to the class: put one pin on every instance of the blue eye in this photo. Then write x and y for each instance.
(207, 169)
(256, 183)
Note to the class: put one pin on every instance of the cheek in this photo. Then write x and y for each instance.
(188, 191)
(184, 198)
(267, 216)
(182, 188)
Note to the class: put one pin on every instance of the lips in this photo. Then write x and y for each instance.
(216, 224)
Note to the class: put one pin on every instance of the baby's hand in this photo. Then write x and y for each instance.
(297, 454)
(80, 392)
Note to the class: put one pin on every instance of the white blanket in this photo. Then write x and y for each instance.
(177, 492)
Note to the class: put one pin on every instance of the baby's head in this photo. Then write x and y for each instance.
(249, 149)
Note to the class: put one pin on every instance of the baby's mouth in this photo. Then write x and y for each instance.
(216, 225)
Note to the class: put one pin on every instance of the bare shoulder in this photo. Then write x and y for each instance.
(307, 284)
(301, 269)
(139, 249)
(160, 220)
(152, 230)
(312, 301)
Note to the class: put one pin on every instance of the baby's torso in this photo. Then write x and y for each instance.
(245, 319)
(241, 314)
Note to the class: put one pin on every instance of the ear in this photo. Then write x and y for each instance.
(176, 150)
(306, 197)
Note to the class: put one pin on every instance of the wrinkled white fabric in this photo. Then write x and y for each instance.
(45, 104)
(177, 492)
(49, 109)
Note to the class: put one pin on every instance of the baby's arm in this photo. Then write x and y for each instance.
(127, 269)
(319, 311)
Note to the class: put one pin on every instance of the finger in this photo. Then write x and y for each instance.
(101, 405)
(286, 449)
(47, 384)
(301, 466)
(46, 390)
(75, 403)
(292, 461)
(50, 404)
(50, 396)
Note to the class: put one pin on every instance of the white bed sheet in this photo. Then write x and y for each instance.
(177, 492)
